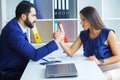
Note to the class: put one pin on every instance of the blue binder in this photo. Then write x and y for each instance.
(38, 11)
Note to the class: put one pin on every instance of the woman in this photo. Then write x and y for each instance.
(99, 43)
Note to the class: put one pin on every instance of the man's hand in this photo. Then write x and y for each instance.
(59, 36)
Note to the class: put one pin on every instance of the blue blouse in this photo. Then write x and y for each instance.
(96, 46)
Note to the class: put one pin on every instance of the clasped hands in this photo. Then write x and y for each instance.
(59, 36)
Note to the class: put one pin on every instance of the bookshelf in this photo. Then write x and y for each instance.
(108, 10)
(46, 24)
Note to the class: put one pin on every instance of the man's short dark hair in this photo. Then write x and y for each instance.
(23, 8)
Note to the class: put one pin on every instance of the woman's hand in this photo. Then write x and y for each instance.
(93, 58)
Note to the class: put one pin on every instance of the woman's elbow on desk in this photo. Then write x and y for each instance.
(113, 59)
(69, 53)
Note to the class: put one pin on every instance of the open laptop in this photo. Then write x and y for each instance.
(60, 70)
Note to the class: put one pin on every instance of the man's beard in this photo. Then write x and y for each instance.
(28, 23)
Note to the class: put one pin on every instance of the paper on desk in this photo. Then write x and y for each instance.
(63, 57)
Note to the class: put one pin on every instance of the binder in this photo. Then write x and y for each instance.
(67, 9)
(37, 7)
(56, 9)
(59, 8)
(55, 26)
(63, 9)
(38, 11)
(36, 34)
(61, 28)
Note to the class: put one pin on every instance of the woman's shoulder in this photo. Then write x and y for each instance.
(105, 31)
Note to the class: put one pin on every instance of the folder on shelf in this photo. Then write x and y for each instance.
(37, 6)
(63, 9)
(59, 8)
(61, 28)
(38, 10)
(67, 8)
(36, 34)
(55, 26)
(56, 9)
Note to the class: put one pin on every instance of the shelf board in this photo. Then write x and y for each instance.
(68, 19)
(110, 18)
(44, 20)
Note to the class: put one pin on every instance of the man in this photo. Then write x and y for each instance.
(15, 50)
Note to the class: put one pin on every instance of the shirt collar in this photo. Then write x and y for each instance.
(23, 29)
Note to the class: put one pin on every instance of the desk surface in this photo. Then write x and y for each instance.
(87, 70)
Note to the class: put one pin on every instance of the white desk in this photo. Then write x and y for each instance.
(87, 70)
